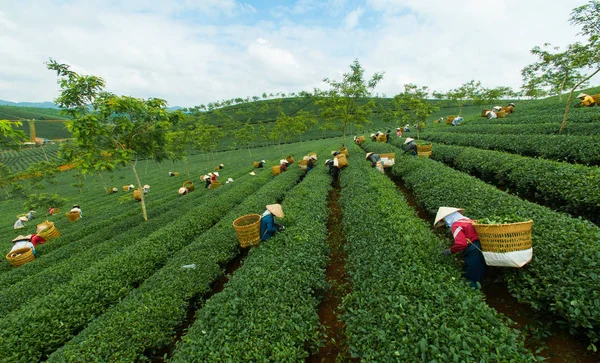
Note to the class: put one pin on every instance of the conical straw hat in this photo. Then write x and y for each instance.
(252, 173)
(146, 186)
(275, 209)
(444, 212)
(581, 95)
(181, 190)
(22, 238)
(216, 173)
(368, 154)
(408, 139)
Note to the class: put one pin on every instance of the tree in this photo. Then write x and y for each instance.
(244, 136)
(490, 96)
(340, 105)
(287, 128)
(205, 137)
(412, 105)
(588, 17)
(11, 138)
(555, 70)
(471, 90)
(6, 179)
(110, 130)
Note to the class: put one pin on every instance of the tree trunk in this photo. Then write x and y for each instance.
(564, 121)
(44, 151)
(146, 168)
(562, 88)
(137, 178)
(103, 183)
(249, 151)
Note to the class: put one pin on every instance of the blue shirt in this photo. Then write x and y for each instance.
(267, 227)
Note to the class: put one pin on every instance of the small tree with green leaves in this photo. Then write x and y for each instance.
(10, 137)
(205, 137)
(245, 136)
(340, 106)
(109, 130)
(412, 106)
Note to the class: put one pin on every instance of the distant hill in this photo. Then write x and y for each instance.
(29, 104)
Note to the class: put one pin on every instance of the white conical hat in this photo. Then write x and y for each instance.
(581, 95)
(22, 238)
(221, 165)
(146, 186)
(216, 173)
(252, 173)
(275, 209)
(368, 154)
(262, 161)
(444, 212)
(131, 186)
(181, 190)
(408, 139)
(229, 180)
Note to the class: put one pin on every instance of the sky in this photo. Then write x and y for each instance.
(192, 52)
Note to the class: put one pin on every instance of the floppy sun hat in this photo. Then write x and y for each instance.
(444, 212)
(275, 209)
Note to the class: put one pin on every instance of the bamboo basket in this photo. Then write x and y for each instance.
(596, 99)
(256, 163)
(361, 139)
(247, 229)
(424, 150)
(381, 138)
(501, 114)
(344, 151)
(504, 238)
(214, 184)
(125, 188)
(342, 161)
(290, 159)
(276, 170)
(449, 120)
(47, 230)
(176, 173)
(484, 113)
(303, 164)
(189, 185)
(20, 256)
(137, 194)
(391, 159)
(73, 216)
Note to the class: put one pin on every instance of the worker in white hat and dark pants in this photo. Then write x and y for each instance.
(375, 160)
(268, 227)
(411, 146)
(466, 241)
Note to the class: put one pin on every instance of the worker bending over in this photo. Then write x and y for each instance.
(268, 227)
(466, 241)
(586, 100)
(411, 146)
(375, 160)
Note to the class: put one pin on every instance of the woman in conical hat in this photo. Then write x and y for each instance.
(411, 146)
(268, 227)
(466, 241)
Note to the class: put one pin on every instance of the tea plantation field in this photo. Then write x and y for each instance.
(179, 288)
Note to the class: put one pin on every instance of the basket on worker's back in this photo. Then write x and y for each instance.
(344, 151)
(505, 245)
(47, 230)
(247, 229)
(449, 120)
(361, 139)
(20, 256)
(382, 138)
(276, 170)
(189, 185)
(256, 164)
(424, 150)
(214, 184)
(501, 114)
(342, 160)
(290, 159)
(303, 164)
(137, 194)
(73, 216)
(125, 188)
(388, 160)
(596, 99)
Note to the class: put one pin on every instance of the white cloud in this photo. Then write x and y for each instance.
(192, 52)
(352, 19)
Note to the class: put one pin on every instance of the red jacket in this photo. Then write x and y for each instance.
(463, 232)
(283, 167)
(213, 177)
(37, 240)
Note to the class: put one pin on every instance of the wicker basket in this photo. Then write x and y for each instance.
(137, 194)
(189, 185)
(504, 238)
(276, 170)
(290, 159)
(20, 256)
(256, 163)
(47, 230)
(303, 164)
(125, 188)
(424, 150)
(344, 151)
(388, 160)
(214, 184)
(247, 229)
(342, 161)
(501, 114)
(73, 216)
(361, 139)
(449, 120)
(176, 173)
(382, 138)
(596, 99)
